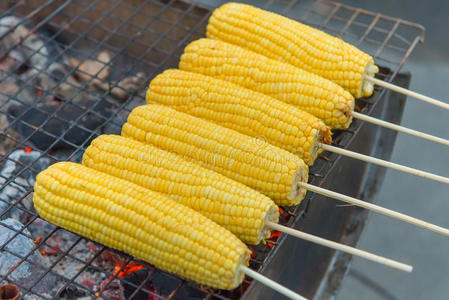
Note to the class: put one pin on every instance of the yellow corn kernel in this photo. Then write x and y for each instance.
(261, 166)
(228, 203)
(243, 110)
(145, 224)
(309, 92)
(289, 41)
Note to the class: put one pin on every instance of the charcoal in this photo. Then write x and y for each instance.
(72, 292)
(58, 125)
(164, 283)
(13, 92)
(21, 183)
(10, 93)
(8, 137)
(24, 273)
(112, 289)
(116, 123)
(32, 49)
(92, 70)
(69, 155)
(189, 292)
(134, 279)
(58, 82)
(39, 296)
(123, 89)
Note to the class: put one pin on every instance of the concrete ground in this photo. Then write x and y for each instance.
(428, 252)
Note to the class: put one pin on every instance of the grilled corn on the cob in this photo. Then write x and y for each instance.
(241, 109)
(228, 203)
(145, 224)
(284, 39)
(309, 92)
(251, 161)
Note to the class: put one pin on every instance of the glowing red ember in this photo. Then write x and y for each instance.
(151, 296)
(51, 252)
(91, 246)
(128, 269)
(273, 238)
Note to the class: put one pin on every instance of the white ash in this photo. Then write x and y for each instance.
(25, 273)
(84, 251)
(21, 44)
(16, 189)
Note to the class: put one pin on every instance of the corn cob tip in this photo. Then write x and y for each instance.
(297, 192)
(367, 88)
(240, 275)
(344, 111)
(324, 136)
(271, 216)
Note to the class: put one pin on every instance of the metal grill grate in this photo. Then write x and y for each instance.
(140, 36)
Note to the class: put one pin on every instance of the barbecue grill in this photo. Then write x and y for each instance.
(47, 122)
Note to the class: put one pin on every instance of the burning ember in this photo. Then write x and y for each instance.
(153, 291)
(50, 252)
(112, 289)
(122, 271)
(273, 238)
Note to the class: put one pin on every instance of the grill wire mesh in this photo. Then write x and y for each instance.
(140, 36)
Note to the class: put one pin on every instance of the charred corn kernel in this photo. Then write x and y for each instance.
(145, 224)
(241, 109)
(286, 40)
(228, 203)
(309, 92)
(251, 161)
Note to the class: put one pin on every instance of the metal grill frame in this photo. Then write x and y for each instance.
(401, 38)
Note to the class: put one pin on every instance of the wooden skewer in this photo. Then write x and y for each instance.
(384, 163)
(399, 128)
(340, 247)
(407, 92)
(272, 284)
(375, 208)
